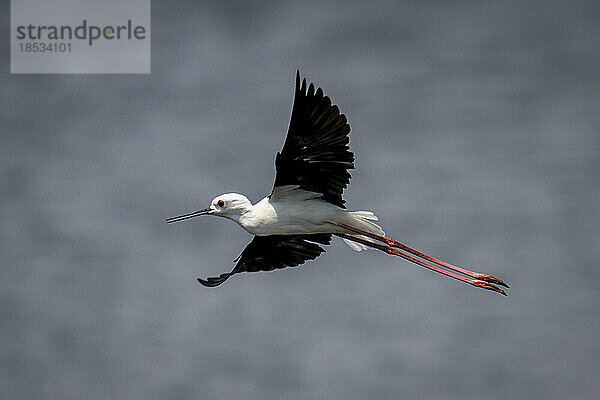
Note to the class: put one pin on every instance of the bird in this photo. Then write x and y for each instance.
(305, 207)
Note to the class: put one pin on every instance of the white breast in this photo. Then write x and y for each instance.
(288, 216)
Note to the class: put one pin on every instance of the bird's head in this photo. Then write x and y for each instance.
(228, 205)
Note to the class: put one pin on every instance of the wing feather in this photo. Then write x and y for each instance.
(315, 155)
(266, 253)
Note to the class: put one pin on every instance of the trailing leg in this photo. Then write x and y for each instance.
(389, 250)
(393, 243)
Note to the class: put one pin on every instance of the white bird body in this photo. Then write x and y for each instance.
(291, 211)
(290, 217)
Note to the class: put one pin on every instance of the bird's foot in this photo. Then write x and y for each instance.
(489, 279)
(488, 286)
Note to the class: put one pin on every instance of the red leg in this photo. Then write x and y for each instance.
(393, 243)
(390, 250)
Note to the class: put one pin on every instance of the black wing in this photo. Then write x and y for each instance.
(266, 253)
(315, 155)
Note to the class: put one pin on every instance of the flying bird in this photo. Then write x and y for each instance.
(305, 207)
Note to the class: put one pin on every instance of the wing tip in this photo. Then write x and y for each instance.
(214, 281)
(300, 89)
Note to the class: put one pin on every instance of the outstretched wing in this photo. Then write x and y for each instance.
(315, 155)
(266, 253)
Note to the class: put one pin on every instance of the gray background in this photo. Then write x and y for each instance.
(476, 128)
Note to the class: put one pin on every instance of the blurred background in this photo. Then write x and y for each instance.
(476, 129)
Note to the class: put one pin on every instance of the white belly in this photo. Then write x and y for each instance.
(291, 217)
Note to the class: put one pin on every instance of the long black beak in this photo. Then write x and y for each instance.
(189, 215)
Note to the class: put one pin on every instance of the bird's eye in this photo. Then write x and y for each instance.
(220, 203)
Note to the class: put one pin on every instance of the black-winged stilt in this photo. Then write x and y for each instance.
(306, 207)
